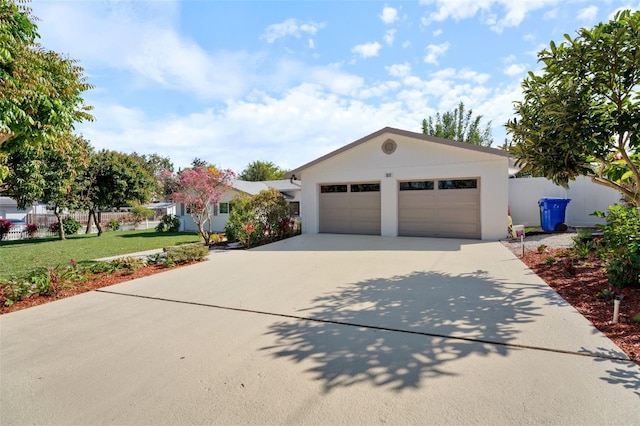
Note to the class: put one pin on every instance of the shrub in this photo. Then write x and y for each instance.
(186, 253)
(69, 225)
(260, 219)
(169, 223)
(128, 264)
(140, 213)
(5, 227)
(114, 224)
(620, 248)
(31, 230)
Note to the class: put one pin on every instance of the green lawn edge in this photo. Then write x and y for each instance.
(18, 257)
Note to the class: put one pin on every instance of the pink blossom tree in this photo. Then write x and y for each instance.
(199, 189)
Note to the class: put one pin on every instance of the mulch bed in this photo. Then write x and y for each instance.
(96, 282)
(578, 282)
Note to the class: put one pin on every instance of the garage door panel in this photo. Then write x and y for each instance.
(350, 212)
(439, 212)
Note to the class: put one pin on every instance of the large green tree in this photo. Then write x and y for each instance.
(154, 164)
(40, 90)
(459, 125)
(114, 180)
(49, 174)
(581, 115)
(257, 171)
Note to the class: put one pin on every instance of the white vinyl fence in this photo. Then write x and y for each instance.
(20, 234)
(586, 197)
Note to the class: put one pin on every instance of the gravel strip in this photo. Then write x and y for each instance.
(532, 242)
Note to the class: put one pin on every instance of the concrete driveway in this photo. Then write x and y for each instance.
(319, 329)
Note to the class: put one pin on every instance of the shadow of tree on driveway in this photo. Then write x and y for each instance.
(396, 332)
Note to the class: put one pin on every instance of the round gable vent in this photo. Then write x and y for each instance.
(389, 146)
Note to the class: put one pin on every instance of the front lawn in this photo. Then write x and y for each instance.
(17, 257)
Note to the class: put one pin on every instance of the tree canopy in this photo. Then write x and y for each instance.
(581, 115)
(257, 171)
(114, 180)
(40, 90)
(458, 125)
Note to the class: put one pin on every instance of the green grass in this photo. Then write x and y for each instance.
(17, 257)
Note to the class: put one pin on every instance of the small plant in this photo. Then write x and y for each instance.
(31, 230)
(186, 253)
(169, 223)
(636, 318)
(549, 260)
(607, 295)
(584, 233)
(542, 248)
(5, 227)
(114, 224)
(582, 248)
(216, 238)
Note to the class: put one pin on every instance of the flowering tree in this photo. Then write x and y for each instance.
(199, 189)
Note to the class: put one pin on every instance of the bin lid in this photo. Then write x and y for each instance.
(555, 199)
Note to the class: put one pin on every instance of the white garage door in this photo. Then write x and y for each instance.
(350, 208)
(439, 208)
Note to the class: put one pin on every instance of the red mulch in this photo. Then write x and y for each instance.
(578, 281)
(98, 281)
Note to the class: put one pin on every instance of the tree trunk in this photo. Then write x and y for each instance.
(205, 235)
(56, 212)
(97, 219)
(91, 215)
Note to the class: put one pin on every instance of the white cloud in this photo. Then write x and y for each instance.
(389, 36)
(513, 12)
(437, 32)
(434, 51)
(515, 69)
(290, 27)
(389, 15)
(140, 38)
(588, 14)
(399, 70)
(406, 44)
(279, 125)
(367, 50)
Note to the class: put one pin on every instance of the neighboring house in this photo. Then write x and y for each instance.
(290, 191)
(399, 183)
(9, 210)
(162, 208)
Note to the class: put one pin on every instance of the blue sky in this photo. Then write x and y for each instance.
(232, 82)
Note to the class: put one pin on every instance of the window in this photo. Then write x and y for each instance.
(423, 185)
(365, 187)
(333, 188)
(294, 208)
(458, 184)
(224, 208)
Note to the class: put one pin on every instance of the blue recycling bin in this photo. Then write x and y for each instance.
(552, 212)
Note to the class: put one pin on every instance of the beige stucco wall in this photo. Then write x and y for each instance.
(413, 159)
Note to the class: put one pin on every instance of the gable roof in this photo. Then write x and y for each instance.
(252, 188)
(406, 133)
